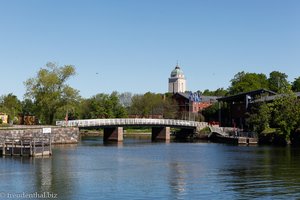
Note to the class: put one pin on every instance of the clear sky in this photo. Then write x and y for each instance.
(134, 45)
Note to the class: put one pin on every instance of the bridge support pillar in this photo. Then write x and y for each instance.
(160, 133)
(113, 134)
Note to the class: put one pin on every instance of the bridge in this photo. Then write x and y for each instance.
(113, 128)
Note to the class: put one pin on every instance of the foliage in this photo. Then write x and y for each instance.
(28, 107)
(278, 82)
(283, 113)
(272, 136)
(10, 105)
(296, 85)
(211, 113)
(205, 130)
(245, 82)
(153, 104)
(125, 99)
(50, 92)
(295, 137)
(102, 106)
(218, 92)
(286, 113)
(260, 117)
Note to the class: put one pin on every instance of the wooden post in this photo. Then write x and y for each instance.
(50, 148)
(21, 150)
(12, 147)
(3, 147)
(33, 147)
(43, 147)
(31, 150)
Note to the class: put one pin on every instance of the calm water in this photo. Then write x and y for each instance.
(139, 169)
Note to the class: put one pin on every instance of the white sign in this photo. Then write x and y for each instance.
(46, 130)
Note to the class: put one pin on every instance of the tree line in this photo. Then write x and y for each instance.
(246, 81)
(49, 97)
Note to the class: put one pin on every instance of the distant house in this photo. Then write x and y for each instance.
(193, 103)
(4, 118)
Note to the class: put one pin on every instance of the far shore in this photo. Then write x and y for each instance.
(100, 133)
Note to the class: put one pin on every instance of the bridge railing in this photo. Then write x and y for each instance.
(128, 122)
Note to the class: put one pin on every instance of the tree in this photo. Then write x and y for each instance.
(11, 105)
(217, 92)
(125, 99)
(296, 85)
(103, 106)
(286, 113)
(147, 104)
(211, 113)
(170, 107)
(278, 82)
(153, 104)
(260, 117)
(50, 92)
(28, 107)
(245, 82)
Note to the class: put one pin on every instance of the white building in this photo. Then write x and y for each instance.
(177, 82)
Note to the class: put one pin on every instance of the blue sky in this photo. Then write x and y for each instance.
(134, 45)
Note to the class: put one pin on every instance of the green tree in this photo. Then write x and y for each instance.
(286, 113)
(153, 104)
(103, 106)
(278, 82)
(11, 105)
(28, 107)
(245, 82)
(296, 85)
(260, 117)
(147, 104)
(118, 109)
(50, 92)
(170, 107)
(217, 92)
(211, 113)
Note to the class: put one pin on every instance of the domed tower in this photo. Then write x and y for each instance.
(177, 81)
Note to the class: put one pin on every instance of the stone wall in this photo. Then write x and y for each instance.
(59, 135)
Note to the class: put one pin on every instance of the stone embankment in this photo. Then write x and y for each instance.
(58, 135)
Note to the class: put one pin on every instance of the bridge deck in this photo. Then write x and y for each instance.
(131, 122)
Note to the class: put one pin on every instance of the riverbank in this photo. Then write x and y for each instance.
(57, 135)
(86, 132)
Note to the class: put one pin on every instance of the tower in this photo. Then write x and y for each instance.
(177, 82)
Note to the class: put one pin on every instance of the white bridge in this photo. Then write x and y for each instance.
(113, 128)
(132, 122)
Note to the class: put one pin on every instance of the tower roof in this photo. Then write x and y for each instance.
(177, 72)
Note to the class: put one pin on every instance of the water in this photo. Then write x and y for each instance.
(139, 169)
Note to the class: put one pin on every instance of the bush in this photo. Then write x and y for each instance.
(272, 136)
(205, 130)
(295, 137)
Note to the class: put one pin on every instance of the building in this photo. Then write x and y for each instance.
(177, 82)
(237, 106)
(191, 104)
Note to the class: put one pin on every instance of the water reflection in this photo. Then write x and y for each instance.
(177, 178)
(264, 172)
(139, 169)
